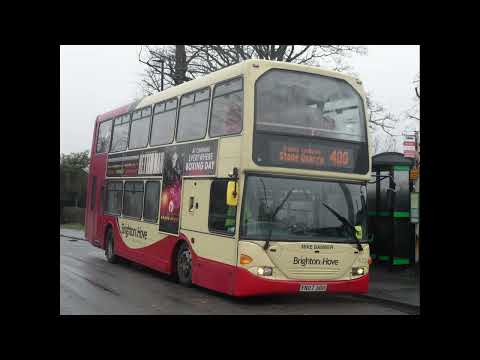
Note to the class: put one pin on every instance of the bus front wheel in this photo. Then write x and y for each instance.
(184, 265)
(109, 249)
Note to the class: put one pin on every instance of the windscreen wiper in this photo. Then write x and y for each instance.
(267, 242)
(347, 223)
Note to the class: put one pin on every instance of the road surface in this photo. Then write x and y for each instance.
(91, 285)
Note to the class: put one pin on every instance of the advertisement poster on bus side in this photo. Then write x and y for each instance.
(195, 159)
(171, 190)
(122, 165)
(198, 159)
(138, 163)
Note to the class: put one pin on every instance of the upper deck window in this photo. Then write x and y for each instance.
(193, 114)
(104, 135)
(121, 127)
(140, 128)
(227, 108)
(163, 125)
(297, 103)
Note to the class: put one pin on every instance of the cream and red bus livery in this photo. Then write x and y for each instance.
(250, 180)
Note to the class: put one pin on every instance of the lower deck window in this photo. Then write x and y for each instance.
(133, 199)
(152, 198)
(114, 197)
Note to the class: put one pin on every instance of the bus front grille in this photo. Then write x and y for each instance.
(312, 273)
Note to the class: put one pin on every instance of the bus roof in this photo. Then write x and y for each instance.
(118, 111)
(214, 77)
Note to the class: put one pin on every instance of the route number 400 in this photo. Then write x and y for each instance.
(339, 158)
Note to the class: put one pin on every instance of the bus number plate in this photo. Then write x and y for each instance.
(309, 288)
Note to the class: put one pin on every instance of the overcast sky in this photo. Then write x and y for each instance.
(95, 79)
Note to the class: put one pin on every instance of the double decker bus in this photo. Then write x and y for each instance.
(248, 181)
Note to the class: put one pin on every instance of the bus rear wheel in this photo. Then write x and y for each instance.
(109, 248)
(184, 265)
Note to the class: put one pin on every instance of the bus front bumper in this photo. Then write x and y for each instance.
(247, 284)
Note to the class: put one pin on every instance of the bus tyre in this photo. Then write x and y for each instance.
(109, 249)
(184, 265)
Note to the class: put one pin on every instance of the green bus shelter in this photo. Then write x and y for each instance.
(391, 233)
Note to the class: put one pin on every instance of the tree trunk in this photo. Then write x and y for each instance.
(180, 64)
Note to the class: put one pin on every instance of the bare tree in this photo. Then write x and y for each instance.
(375, 145)
(214, 57)
(417, 88)
(382, 142)
(414, 111)
(176, 59)
(390, 144)
(186, 62)
(380, 117)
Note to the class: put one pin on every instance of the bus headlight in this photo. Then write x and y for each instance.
(358, 271)
(265, 271)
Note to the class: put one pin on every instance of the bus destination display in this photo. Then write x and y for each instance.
(315, 157)
(322, 154)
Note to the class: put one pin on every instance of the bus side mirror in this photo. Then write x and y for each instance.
(232, 195)
(358, 232)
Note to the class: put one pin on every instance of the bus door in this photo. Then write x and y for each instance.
(209, 225)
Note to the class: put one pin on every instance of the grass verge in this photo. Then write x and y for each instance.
(73, 226)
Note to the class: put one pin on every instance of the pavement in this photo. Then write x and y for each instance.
(401, 285)
(395, 286)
